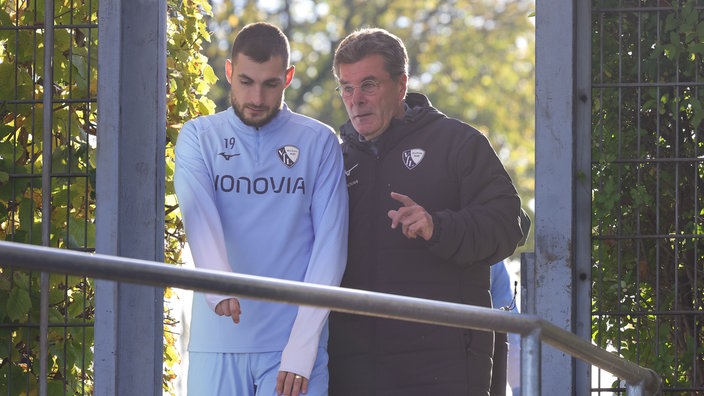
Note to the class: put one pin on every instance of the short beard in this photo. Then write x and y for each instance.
(250, 122)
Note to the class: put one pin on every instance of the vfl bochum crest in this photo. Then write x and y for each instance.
(288, 155)
(411, 158)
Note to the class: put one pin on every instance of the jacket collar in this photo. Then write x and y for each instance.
(419, 113)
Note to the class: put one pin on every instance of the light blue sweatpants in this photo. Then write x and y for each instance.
(246, 374)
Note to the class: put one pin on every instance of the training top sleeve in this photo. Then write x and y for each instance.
(196, 198)
(328, 259)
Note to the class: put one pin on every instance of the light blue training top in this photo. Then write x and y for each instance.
(269, 201)
(501, 288)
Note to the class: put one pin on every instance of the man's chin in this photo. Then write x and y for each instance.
(252, 123)
(256, 122)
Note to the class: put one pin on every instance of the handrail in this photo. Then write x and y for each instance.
(639, 380)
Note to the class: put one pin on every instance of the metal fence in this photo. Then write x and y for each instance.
(647, 174)
(646, 242)
(48, 56)
(639, 380)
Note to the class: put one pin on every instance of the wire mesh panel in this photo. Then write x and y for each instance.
(29, 180)
(648, 189)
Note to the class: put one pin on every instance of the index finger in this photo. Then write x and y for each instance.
(404, 199)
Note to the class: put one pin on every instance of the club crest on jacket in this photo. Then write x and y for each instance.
(411, 158)
(288, 155)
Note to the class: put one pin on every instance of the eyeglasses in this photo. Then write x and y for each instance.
(368, 87)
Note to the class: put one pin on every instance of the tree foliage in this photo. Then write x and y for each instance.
(473, 59)
(647, 145)
(72, 211)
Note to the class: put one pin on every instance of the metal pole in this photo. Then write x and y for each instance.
(555, 181)
(533, 328)
(130, 185)
(582, 209)
(530, 363)
(150, 273)
(47, 101)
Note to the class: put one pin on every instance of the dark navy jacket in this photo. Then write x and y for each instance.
(451, 170)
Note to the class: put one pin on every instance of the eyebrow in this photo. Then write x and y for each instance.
(270, 80)
(367, 78)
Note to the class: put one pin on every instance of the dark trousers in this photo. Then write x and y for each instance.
(498, 371)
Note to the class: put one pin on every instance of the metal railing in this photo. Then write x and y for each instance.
(534, 330)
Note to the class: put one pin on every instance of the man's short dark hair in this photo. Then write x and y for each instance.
(261, 41)
(370, 41)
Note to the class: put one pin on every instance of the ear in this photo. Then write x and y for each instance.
(228, 70)
(289, 75)
(403, 85)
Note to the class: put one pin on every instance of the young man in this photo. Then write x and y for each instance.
(431, 209)
(262, 192)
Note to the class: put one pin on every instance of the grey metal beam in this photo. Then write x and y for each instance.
(130, 192)
(582, 300)
(530, 363)
(554, 183)
(354, 301)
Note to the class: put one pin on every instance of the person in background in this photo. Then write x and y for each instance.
(503, 296)
(431, 209)
(262, 192)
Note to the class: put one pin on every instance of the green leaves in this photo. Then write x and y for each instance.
(473, 59)
(72, 191)
(18, 303)
(647, 132)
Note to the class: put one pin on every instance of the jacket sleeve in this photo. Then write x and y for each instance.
(486, 228)
(196, 198)
(328, 258)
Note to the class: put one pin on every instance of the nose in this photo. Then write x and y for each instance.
(357, 95)
(257, 95)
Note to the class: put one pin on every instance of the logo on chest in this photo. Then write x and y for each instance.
(411, 158)
(288, 155)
